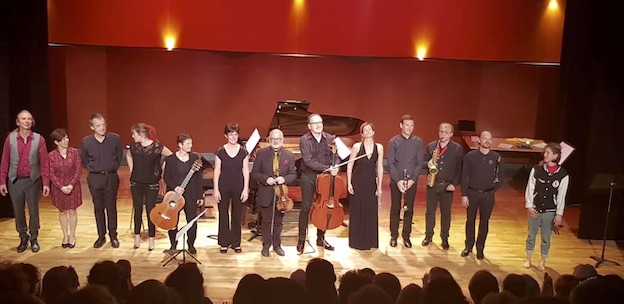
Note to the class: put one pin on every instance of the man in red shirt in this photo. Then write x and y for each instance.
(24, 174)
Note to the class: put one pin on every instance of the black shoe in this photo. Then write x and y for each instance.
(324, 243)
(300, 246)
(265, 251)
(34, 246)
(407, 243)
(279, 251)
(445, 245)
(115, 243)
(480, 255)
(99, 242)
(238, 249)
(426, 241)
(72, 245)
(174, 246)
(22, 246)
(465, 252)
(223, 250)
(393, 242)
(192, 250)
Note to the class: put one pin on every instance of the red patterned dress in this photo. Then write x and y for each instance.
(63, 172)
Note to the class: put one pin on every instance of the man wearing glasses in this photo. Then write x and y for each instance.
(272, 166)
(316, 157)
(448, 163)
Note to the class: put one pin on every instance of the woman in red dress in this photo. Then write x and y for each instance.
(65, 170)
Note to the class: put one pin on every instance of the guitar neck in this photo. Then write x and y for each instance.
(188, 177)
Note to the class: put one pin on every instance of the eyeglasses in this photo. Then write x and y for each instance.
(276, 139)
(316, 123)
(444, 132)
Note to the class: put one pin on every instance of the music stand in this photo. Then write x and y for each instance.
(609, 182)
(182, 233)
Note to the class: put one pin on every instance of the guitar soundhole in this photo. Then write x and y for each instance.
(172, 204)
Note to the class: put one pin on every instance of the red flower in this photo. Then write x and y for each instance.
(285, 162)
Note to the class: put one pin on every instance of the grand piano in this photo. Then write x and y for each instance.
(291, 116)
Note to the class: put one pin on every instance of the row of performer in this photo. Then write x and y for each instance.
(27, 171)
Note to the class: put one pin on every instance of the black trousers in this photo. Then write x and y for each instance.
(190, 211)
(143, 193)
(230, 222)
(268, 214)
(103, 189)
(482, 202)
(308, 188)
(395, 210)
(438, 195)
(25, 191)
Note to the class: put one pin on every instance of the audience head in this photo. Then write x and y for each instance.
(389, 283)
(107, 274)
(503, 297)
(439, 272)
(152, 292)
(13, 279)
(584, 271)
(188, 281)
(367, 272)
(58, 283)
(34, 278)
(521, 286)
(351, 282)
(91, 294)
(319, 272)
(410, 294)
(564, 284)
(604, 290)
(482, 283)
(370, 294)
(248, 288)
(280, 291)
(299, 276)
(442, 290)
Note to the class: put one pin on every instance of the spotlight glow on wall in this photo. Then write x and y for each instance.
(553, 5)
(170, 42)
(421, 53)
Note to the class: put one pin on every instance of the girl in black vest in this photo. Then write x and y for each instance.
(545, 199)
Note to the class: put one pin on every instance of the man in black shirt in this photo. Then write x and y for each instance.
(481, 178)
(101, 154)
(316, 157)
(445, 156)
(405, 159)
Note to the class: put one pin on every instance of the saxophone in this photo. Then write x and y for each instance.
(433, 171)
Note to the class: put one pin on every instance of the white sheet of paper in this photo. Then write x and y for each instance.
(253, 140)
(505, 146)
(566, 150)
(343, 150)
(540, 145)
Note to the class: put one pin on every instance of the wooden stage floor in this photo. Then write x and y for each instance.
(504, 251)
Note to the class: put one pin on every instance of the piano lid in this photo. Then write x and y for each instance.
(291, 116)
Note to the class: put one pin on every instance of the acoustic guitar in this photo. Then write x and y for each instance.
(165, 214)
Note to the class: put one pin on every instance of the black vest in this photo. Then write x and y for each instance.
(546, 188)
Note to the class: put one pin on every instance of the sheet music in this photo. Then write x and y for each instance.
(343, 151)
(188, 226)
(253, 140)
(540, 145)
(566, 150)
(505, 146)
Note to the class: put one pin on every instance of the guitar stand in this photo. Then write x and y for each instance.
(173, 254)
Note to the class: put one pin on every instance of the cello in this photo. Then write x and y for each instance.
(327, 212)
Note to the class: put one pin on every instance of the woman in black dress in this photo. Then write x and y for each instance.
(145, 172)
(364, 184)
(177, 166)
(231, 187)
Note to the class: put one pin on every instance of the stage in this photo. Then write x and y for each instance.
(504, 252)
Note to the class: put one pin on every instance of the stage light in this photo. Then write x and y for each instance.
(421, 52)
(553, 5)
(170, 43)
